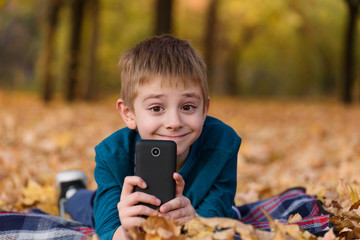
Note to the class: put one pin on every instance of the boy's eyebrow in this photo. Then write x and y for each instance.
(153, 96)
(192, 94)
(187, 94)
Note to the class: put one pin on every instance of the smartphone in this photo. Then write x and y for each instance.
(155, 163)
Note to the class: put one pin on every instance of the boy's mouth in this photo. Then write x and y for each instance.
(174, 138)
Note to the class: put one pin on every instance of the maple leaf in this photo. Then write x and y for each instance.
(43, 197)
(245, 231)
(287, 231)
(329, 235)
(294, 218)
(156, 227)
(354, 195)
(34, 147)
(196, 229)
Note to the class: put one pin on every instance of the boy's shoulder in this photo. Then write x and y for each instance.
(215, 126)
(118, 143)
(216, 133)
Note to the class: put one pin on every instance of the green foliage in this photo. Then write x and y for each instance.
(122, 24)
(292, 47)
(278, 47)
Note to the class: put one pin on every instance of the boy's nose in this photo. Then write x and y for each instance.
(174, 121)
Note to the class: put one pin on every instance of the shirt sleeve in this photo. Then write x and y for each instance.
(107, 197)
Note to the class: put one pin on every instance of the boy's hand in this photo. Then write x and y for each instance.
(129, 211)
(180, 207)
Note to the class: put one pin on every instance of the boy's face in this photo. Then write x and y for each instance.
(164, 113)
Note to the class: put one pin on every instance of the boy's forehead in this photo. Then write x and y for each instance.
(170, 82)
(156, 89)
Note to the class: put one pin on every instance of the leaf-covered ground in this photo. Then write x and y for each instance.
(285, 144)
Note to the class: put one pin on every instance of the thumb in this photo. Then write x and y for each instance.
(180, 184)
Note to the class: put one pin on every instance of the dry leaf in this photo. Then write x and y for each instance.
(318, 142)
(196, 229)
(329, 235)
(156, 227)
(294, 218)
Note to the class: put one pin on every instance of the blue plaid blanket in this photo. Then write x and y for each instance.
(314, 218)
(38, 225)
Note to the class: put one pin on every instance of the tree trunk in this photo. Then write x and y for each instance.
(91, 81)
(349, 49)
(163, 23)
(209, 41)
(77, 10)
(50, 28)
(232, 83)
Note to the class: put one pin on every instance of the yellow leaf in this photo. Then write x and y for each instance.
(195, 229)
(32, 193)
(224, 234)
(354, 195)
(63, 140)
(157, 227)
(329, 235)
(294, 218)
(42, 197)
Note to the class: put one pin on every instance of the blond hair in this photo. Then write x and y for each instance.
(166, 56)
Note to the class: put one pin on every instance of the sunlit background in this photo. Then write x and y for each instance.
(279, 71)
(277, 48)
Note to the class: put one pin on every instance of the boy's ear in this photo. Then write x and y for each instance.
(126, 114)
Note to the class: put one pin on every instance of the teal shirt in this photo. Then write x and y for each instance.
(209, 173)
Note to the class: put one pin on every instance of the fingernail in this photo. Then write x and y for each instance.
(158, 201)
(144, 185)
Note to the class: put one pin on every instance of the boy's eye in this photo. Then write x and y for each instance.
(156, 109)
(188, 107)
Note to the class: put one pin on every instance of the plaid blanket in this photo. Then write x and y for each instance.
(281, 207)
(36, 224)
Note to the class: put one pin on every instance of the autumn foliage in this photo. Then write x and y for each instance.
(285, 144)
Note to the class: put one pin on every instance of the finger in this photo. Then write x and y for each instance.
(180, 184)
(138, 210)
(139, 197)
(179, 213)
(175, 214)
(129, 183)
(176, 203)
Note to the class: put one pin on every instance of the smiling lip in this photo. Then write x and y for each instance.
(173, 137)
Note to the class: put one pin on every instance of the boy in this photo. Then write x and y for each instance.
(164, 95)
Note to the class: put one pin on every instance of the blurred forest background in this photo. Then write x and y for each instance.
(257, 48)
(282, 73)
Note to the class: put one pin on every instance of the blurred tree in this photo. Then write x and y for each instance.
(209, 41)
(51, 23)
(349, 49)
(310, 35)
(257, 47)
(163, 14)
(93, 6)
(77, 13)
(232, 39)
(19, 31)
(233, 59)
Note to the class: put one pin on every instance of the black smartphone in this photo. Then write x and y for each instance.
(155, 163)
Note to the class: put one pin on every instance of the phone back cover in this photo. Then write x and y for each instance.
(158, 171)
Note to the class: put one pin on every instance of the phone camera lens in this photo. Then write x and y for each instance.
(155, 152)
